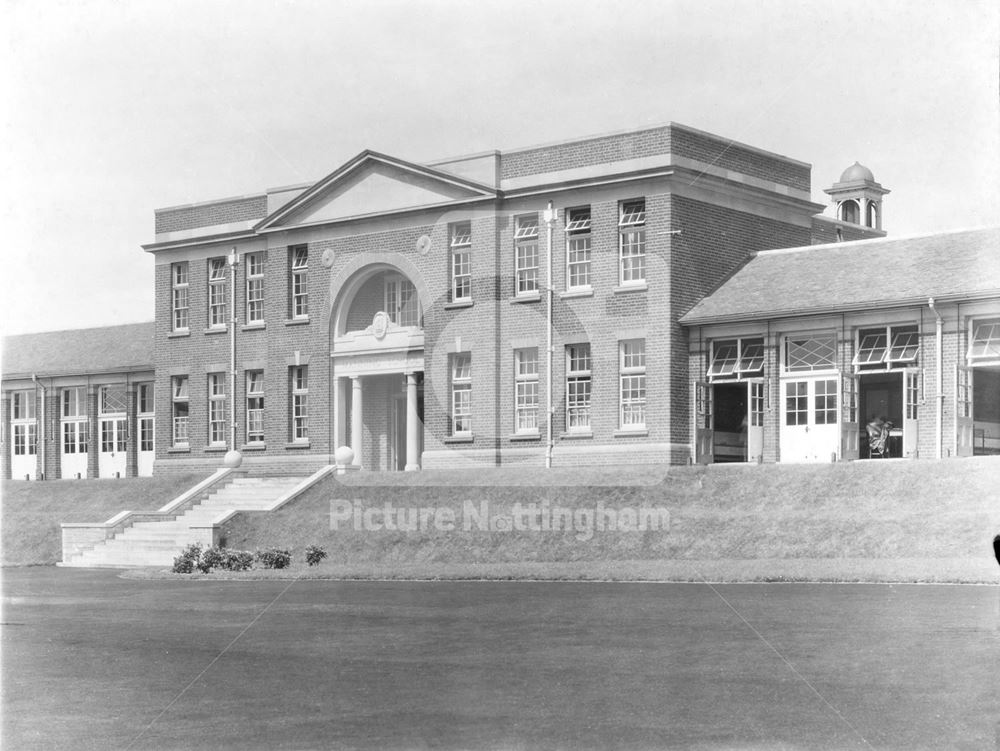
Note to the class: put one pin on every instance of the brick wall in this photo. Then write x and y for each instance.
(599, 150)
(211, 214)
(713, 243)
(723, 153)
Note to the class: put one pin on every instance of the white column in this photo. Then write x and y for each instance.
(339, 421)
(412, 425)
(357, 425)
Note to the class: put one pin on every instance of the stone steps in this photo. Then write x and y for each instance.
(157, 543)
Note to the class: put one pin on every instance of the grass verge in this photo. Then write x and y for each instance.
(33, 511)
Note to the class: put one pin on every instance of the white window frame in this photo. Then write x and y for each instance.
(526, 387)
(217, 409)
(255, 288)
(461, 394)
(632, 242)
(255, 434)
(875, 347)
(180, 301)
(460, 260)
(24, 423)
(299, 282)
(107, 405)
(145, 405)
(402, 312)
(632, 384)
(217, 293)
(299, 389)
(984, 342)
(526, 255)
(73, 413)
(579, 387)
(736, 358)
(823, 338)
(146, 410)
(180, 411)
(579, 249)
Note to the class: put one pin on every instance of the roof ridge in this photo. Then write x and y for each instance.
(83, 328)
(875, 240)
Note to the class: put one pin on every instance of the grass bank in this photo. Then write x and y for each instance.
(33, 511)
(861, 521)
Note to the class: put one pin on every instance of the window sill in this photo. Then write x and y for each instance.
(179, 334)
(458, 304)
(297, 445)
(622, 288)
(581, 292)
(637, 432)
(572, 434)
(536, 436)
(297, 321)
(535, 296)
(217, 330)
(215, 449)
(179, 450)
(253, 447)
(459, 439)
(253, 326)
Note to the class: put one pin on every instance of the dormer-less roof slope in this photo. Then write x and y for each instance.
(857, 276)
(453, 187)
(109, 349)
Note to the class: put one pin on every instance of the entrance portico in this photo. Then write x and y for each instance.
(378, 399)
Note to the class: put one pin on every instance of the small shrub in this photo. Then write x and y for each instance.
(213, 558)
(238, 560)
(274, 558)
(314, 554)
(188, 560)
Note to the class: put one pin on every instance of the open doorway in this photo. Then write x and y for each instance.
(882, 400)
(985, 410)
(729, 440)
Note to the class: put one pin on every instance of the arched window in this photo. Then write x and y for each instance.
(849, 212)
(871, 215)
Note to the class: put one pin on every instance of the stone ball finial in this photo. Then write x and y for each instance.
(344, 455)
(233, 459)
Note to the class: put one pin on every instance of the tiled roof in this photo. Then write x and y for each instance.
(108, 349)
(857, 275)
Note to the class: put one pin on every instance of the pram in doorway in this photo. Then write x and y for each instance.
(878, 438)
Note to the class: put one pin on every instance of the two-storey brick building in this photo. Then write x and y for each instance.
(654, 296)
(404, 309)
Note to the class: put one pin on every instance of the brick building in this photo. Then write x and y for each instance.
(403, 309)
(79, 403)
(801, 349)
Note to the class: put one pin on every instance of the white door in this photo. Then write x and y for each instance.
(704, 436)
(911, 402)
(112, 435)
(73, 461)
(810, 424)
(964, 426)
(24, 451)
(850, 429)
(147, 452)
(755, 421)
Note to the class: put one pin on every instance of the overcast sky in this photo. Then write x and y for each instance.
(113, 109)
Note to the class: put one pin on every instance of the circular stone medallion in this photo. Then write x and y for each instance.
(328, 257)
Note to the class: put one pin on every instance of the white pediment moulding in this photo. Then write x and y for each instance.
(373, 184)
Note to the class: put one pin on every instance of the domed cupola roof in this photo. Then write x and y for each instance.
(857, 172)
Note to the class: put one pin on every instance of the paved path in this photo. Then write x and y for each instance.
(91, 661)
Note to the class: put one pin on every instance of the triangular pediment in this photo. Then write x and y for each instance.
(373, 184)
